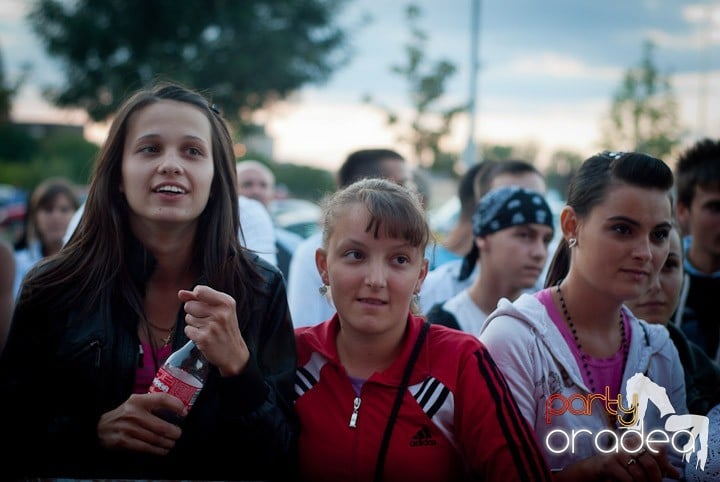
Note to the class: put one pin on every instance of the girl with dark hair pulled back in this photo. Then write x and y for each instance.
(575, 339)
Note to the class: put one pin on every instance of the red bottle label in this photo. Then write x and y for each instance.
(178, 383)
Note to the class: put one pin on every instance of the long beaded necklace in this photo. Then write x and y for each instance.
(583, 356)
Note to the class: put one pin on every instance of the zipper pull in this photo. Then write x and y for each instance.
(354, 416)
(140, 356)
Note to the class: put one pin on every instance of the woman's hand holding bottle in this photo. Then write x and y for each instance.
(211, 322)
(135, 426)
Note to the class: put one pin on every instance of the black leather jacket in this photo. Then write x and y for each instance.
(60, 371)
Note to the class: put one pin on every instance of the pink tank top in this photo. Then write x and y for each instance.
(604, 371)
(145, 372)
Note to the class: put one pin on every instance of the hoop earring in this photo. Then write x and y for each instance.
(572, 242)
(416, 298)
(323, 290)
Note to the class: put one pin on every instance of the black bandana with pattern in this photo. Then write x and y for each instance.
(503, 208)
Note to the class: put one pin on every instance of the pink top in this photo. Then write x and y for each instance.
(145, 372)
(605, 372)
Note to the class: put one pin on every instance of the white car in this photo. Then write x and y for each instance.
(297, 215)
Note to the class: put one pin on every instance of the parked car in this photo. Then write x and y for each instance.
(297, 215)
(443, 218)
(13, 206)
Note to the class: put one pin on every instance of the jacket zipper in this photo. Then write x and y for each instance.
(354, 416)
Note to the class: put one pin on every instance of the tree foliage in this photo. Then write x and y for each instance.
(6, 93)
(426, 81)
(16, 144)
(74, 153)
(644, 111)
(8, 89)
(561, 167)
(527, 152)
(58, 154)
(243, 53)
(304, 182)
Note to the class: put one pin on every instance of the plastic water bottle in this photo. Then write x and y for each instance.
(183, 375)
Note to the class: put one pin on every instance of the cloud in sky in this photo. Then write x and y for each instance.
(551, 64)
(547, 71)
(704, 22)
(322, 134)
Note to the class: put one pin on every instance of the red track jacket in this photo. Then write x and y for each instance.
(458, 420)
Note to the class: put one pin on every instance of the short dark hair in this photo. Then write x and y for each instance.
(497, 168)
(466, 189)
(365, 163)
(698, 165)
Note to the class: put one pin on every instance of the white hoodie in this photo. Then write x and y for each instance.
(537, 363)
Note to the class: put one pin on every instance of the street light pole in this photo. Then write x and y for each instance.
(470, 150)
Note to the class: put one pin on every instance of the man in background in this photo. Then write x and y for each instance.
(459, 240)
(256, 181)
(697, 180)
(449, 279)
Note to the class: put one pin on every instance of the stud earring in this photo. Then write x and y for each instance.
(323, 290)
(572, 242)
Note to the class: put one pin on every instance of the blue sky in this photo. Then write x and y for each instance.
(548, 71)
(598, 35)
